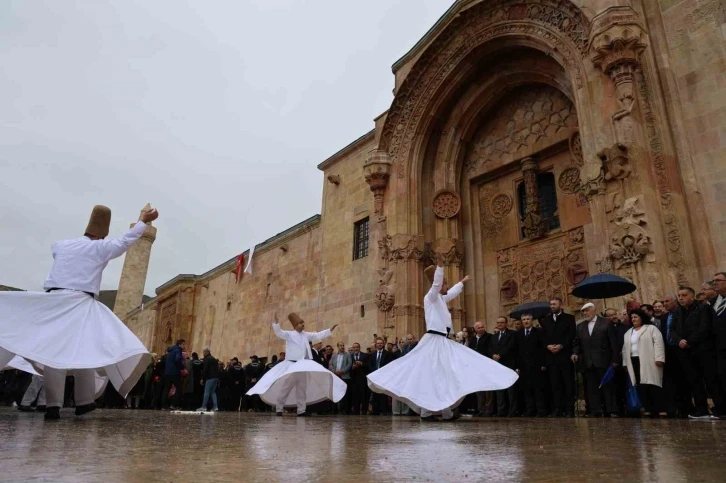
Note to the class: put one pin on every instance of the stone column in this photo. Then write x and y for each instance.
(633, 175)
(133, 276)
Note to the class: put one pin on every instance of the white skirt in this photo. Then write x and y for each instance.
(70, 330)
(320, 383)
(438, 373)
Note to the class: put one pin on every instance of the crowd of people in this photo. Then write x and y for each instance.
(672, 351)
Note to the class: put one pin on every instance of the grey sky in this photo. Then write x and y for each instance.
(216, 112)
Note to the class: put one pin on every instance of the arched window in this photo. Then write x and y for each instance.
(547, 194)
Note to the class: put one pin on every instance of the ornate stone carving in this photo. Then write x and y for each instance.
(594, 183)
(569, 181)
(615, 162)
(543, 269)
(386, 292)
(510, 289)
(377, 170)
(530, 115)
(534, 225)
(491, 226)
(501, 205)
(559, 25)
(334, 179)
(408, 310)
(604, 265)
(446, 204)
(629, 242)
(577, 236)
(401, 247)
(673, 236)
(453, 251)
(576, 149)
(618, 40)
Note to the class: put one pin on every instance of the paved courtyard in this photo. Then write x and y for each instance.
(130, 446)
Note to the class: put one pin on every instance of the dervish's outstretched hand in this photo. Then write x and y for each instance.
(149, 215)
(333, 327)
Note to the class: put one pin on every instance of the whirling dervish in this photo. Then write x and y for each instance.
(438, 373)
(298, 380)
(65, 330)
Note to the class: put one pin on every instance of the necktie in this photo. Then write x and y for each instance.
(722, 306)
(378, 360)
(526, 333)
(669, 320)
(500, 336)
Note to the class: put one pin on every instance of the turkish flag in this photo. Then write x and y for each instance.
(238, 268)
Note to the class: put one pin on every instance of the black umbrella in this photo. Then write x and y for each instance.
(603, 286)
(538, 310)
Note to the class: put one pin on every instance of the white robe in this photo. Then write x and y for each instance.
(438, 373)
(68, 329)
(298, 380)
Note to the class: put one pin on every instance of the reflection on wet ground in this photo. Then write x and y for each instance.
(129, 446)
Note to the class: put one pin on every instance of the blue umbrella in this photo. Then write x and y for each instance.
(603, 286)
(609, 374)
(537, 309)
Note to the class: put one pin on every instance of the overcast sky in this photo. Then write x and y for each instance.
(216, 112)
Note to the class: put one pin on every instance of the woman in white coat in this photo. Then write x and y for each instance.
(644, 357)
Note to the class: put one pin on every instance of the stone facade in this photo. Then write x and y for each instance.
(533, 142)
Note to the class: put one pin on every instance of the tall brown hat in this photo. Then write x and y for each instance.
(100, 221)
(294, 319)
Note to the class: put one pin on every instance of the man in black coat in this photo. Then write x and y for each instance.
(236, 375)
(503, 349)
(358, 382)
(197, 366)
(621, 384)
(719, 330)
(559, 334)
(596, 347)
(480, 342)
(379, 358)
(693, 333)
(531, 367)
(253, 372)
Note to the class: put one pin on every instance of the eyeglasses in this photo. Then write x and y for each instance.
(719, 280)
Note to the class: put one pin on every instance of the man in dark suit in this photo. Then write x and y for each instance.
(559, 334)
(317, 352)
(719, 330)
(531, 367)
(621, 384)
(379, 358)
(693, 332)
(411, 343)
(503, 349)
(676, 390)
(358, 381)
(596, 347)
(480, 343)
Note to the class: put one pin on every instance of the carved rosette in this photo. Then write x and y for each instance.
(618, 40)
(377, 170)
(446, 204)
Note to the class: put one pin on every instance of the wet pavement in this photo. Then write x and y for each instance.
(130, 446)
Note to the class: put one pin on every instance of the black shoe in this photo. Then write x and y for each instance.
(41, 408)
(25, 409)
(594, 415)
(85, 408)
(304, 415)
(570, 415)
(430, 419)
(52, 412)
(279, 414)
(614, 415)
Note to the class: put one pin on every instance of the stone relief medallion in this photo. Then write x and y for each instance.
(446, 204)
(510, 289)
(501, 205)
(576, 273)
(569, 181)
